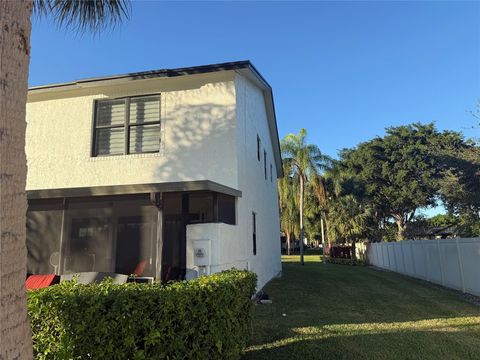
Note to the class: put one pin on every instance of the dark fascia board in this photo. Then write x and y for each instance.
(200, 185)
(240, 66)
(144, 75)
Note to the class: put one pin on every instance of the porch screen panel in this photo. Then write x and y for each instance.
(90, 245)
(200, 208)
(226, 209)
(44, 226)
(88, 236)
(136, 239)
(175, 217)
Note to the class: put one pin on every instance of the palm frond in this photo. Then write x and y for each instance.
(91, 15)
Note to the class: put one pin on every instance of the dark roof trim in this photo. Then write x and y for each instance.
(143, 75)
(200, 185)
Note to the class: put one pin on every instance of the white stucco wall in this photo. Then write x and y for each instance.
(226, 250)
(197, 139)
(232, 246)
(260, 195)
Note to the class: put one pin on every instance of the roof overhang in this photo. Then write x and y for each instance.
(200, 185)
(244, 68)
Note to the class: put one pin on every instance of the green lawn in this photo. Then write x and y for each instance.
(343, 312)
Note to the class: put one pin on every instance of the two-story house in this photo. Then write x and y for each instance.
(163, 174)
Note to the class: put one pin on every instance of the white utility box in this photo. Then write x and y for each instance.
(202, 253)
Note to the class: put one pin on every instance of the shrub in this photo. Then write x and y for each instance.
(206, 318)
(342, 261)
(341, 251)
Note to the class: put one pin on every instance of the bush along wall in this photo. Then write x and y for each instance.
(206, 318)
(343, 261)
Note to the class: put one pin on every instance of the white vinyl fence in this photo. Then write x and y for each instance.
(454, 263)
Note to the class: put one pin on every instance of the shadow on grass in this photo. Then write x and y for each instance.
(441, 343)
(337, 311)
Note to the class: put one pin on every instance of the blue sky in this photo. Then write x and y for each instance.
(342, 70)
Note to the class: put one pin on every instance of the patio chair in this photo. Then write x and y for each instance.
(40, 281)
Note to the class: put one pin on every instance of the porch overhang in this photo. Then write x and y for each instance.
(199, 185)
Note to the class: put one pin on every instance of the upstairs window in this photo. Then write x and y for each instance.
(127, 126)
(265, 163)
(258, 147)
(254, 233)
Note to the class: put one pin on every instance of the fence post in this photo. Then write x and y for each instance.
(440, 262)
(383, 257)
(388, 257)
(412, 253)
(403, 259)
(395, 246)
(427, 260)
(460, 264)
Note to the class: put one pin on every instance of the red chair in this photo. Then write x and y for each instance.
(139, 270)
(40, 281)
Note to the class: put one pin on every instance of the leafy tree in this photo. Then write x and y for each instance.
(442, 220)
(303, 160)
(399, 171)
(15, 28)
(460, 183)
(468, 225)
(349, 219)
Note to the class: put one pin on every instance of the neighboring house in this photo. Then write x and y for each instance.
(164, 174)
(433, 232)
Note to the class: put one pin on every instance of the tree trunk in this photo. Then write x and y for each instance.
(289, 239)
(301, 220)
(15, 335)
(401, 227)
(323, 240)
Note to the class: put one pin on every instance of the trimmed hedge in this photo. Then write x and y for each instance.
(343, 261)
(206, 318)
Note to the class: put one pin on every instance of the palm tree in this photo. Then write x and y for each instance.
(349, 219)
(15, 27)
(319, 188)
(288, 203)
(303, 159)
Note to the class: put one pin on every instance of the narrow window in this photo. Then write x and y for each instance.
(258, 147)
(265, 163)
(271, 173)
(127, 126)
(254, 232)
